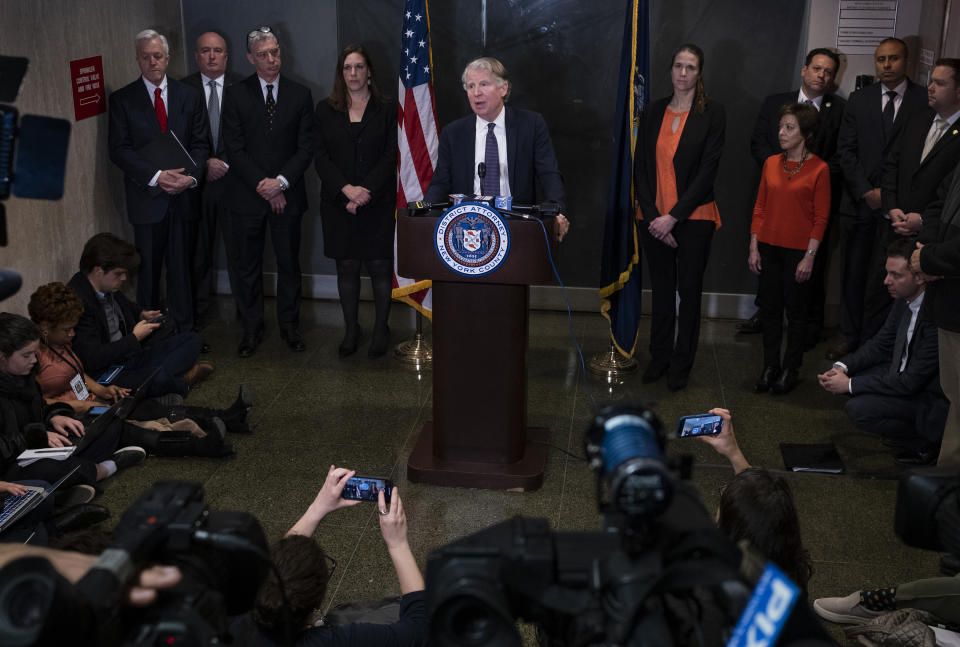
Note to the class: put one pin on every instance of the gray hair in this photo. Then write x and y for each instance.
(258, 34)
(488, 64)
(150, 34)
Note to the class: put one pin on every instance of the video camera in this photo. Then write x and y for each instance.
(928, 509)
(222, 555)
(658, 573)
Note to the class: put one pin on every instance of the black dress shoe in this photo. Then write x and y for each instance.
(751, 326)
(250, 342)
(678, 381)
(78, 517)
(379, 344)
(918, 457)
(786, 381)
(294, 339)
(654, 372)
(766, 379)
(350, 341)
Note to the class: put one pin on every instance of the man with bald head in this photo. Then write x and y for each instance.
(158, 202)
(210, 79)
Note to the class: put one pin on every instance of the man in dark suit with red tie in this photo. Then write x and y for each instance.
(872, 122)
(513, 145)
(267, 131)
(157, 206)
(894, 376)
(211, 79)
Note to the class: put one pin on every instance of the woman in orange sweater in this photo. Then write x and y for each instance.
(789, 218)
(679, 142)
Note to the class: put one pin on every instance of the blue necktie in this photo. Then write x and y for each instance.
(491, 157)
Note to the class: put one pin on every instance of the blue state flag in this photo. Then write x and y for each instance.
(620, 260)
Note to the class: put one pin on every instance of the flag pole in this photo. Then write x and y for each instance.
(417, 352)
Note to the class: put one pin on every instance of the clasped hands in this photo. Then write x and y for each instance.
(905, 224)
(357, 196)
(661, 228)
(174, 181)
(835, 381)
(271, 190)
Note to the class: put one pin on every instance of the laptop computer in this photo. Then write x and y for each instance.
(15, 506)
(118, 410)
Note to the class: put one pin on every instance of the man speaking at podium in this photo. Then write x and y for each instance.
(501, 151)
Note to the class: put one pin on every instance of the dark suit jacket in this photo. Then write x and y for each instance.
(766, 142)
(256, 152)
(213, 190)
(861, 146)
(92, 341)
(922, 371)
(940, 255)
(908, 183)
(695, 162)
(133, 125)
(530, 159)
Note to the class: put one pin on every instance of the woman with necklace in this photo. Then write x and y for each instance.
(356, 159)
(789, 218)
(679, 142)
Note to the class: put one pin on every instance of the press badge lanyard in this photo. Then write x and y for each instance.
(77, 384)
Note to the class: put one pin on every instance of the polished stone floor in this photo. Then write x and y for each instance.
(312, 410)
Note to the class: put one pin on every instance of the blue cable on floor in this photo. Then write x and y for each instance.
(566, 301)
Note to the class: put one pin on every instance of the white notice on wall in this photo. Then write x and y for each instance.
(862, 24)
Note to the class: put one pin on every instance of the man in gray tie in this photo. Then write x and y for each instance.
(893, 377)
(211, 78)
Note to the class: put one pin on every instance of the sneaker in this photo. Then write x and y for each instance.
(846, 611)
(128, 457)
(76, 495)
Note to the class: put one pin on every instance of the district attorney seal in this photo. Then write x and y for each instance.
(472, 239)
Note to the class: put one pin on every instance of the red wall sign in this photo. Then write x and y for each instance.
(89, 97)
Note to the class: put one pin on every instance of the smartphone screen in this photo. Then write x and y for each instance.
(366, 488)
(704, 424)
(96, 411)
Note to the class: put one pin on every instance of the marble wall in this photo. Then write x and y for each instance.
(45, 238)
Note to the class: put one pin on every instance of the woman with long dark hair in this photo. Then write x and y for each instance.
(356, 159)
(679, 142)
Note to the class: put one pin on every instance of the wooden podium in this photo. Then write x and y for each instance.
(478, 436)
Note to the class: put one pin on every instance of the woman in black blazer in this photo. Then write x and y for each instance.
(356, 159)
(679, 142)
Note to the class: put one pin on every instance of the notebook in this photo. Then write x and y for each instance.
(811, 458)
(15, 506)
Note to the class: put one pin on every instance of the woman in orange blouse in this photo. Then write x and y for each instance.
(789, 218)
(679, 142)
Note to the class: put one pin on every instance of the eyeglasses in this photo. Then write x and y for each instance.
(273, 52)
(259, 30)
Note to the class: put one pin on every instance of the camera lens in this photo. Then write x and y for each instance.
(470, 622)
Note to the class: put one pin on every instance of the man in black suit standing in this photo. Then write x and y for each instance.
(157, 208)
(938, 258)
(871, 124)
(893, 376)
(513, 145)
(816, 77)
(211, 79)
(267, 130)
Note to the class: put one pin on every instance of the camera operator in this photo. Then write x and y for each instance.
(302, 566)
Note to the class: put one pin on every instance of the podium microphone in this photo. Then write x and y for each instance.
(482, 173)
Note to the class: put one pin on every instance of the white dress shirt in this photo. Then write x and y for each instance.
(151, 92)
(802, 98)
(897, 100)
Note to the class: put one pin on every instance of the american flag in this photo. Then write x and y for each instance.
(417, 134)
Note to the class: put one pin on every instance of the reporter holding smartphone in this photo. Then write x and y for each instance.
(305, 571)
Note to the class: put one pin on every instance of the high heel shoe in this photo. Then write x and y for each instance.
(350, 341)
(379, 344)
